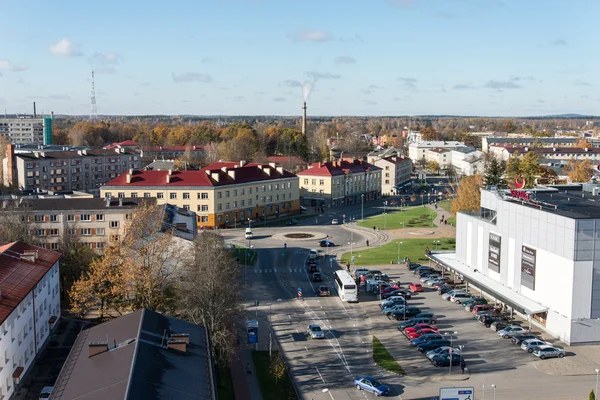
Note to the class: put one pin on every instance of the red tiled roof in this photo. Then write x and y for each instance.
(18, 276)
(173, 148)
(126, 143)
(294, 160)
(204, 177)
(337, 168)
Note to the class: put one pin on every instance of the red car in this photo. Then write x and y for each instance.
(418, 327)
(414, 335)
(389, 289)
(415, 287)
(446, 281)
(481, 307)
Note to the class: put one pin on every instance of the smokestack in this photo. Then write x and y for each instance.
(34, 112)
(304, 119)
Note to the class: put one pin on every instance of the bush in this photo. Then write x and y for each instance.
(592, 396)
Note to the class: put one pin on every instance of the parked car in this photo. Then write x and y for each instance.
(428, 315)
(401, 315)
(458, 297)
(324, 291)
(413, 265)
(520, 337)
(316, 277)
(334, 222)
(312, 267)
(360, 271)
(441, 350)
(548, 351)
(326, 243)
(315, 331)
(433, 344)
(412, 322)
(422, 268)
(389, 289)
(394, 293)
(292, 222)
(426, 338)
(444, 360)
(499, 325)
(430, 277)
(421, 332)
(418, 327)
(489, 319)
(393, 302)
(443, 281)
(512, 330)
(481, 307)
(531, 344)
(415, 287)
(381, 277)
(371, 385)
(394, 307)
(425, 273)
(443, 289)
(448, 295)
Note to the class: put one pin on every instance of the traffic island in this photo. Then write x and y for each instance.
(384, 359)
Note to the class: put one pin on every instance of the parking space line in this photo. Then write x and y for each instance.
(320, 374)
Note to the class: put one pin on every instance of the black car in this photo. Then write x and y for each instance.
(401, 315)
(412, 266)
(312, 268)
(292, 222)
(422, 269)
(433, 344)
(488, 320)
(428, 337)
(326, 243)
(443, 360)
(445, 289)
(518, 339)
(399, 292)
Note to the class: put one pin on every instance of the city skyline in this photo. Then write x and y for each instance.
(254, 57)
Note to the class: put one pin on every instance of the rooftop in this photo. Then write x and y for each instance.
(396, 159)
(54, 155)
(338, 168)
(20, 272)
(136, 363)
(293, 160)
(56, 204)
(549, 150)
(437, 143)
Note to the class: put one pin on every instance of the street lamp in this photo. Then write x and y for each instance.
(436, 242)
(494, 387)
(362, 207)
(250, 247)
(321, 392)
(398, 243)
(596, 392)
(351, 256)
(384, 215)
(451, 338)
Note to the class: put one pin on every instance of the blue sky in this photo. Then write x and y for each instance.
(250, 57)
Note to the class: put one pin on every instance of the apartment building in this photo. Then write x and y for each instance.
(29, 309)
(27, 129)
(395, 171)
(530, 141)
(84, 170)
(549, 153)
(464, 160)
(221, 194)
(418, 151)
(339, 183)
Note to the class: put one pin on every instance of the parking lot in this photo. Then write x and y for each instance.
(482, 349)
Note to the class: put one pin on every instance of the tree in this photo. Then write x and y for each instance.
(579, 171)
(583, 144)
(136, 270)
(468, 194)
(592, 396)
(494, 174)
(509, 126)
(429, 133)
(277, 367)
(16, 224)
(433, 166)
(75, 261)
(513, 167)
(202, 298)
(529, 169)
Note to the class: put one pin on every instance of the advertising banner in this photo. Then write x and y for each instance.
(494, 252)
(528, 256)
(457, 393)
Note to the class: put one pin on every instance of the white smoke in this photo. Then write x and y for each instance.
(306, 89)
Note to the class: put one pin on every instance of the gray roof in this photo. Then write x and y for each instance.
(142, 369)
(160, 165)
(84, 204)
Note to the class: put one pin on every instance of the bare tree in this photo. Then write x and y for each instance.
(16, 224)
(203, 299)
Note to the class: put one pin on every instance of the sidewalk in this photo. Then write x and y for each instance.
(245, 386)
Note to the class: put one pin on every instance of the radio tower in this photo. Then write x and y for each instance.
(93, 111)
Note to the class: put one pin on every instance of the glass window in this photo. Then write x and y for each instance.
(204, 207)
(99, 231)
(86, 217)
(219, 195)
(114, 224)
(134, 194)
(204, 218)
(146, 194)
(160, 195)
(172, 195)
(121, 195)
(99, 217)
(186, 195)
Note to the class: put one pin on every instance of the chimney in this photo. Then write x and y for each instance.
(128, 177)
(108, 202)
(34, 112)
(130, 171)
(120, 202)
(170, 172)
(11, 173)
(169, 178)
(181, 337)
(95, 348)
(243, 162)
(304, 119)
(178, 345)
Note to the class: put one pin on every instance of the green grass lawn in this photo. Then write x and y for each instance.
(240, 253)
(411, 248)
(225, 384)
(272, 389)
(419, 217)
(384, 359)
(447, 205)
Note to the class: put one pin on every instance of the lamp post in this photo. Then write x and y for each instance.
(436, 242)
(494, 387)
(351, 255)
(596, 392)
(321, 392)
(362, 207)
(398, 243)
(384, 215)
(451, 339)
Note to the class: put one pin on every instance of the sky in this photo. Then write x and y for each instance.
(255, 57)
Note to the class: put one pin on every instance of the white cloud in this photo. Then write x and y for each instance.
(318, 75)
(191, 77)
(65, 47)
(106, 58)
(559, 42)
(292, 83)
(499, 85)
(6, 65)
(309, 35)
(345, 60)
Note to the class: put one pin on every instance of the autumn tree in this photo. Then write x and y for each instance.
(277, 367)
(583, 144)
(202, 298)
(494, 174)
(429, 133)
(76, 258)
(509, 126)
(468, 194)
(513, 166)
(579, 171)
(433, 166)
(138, 269)
(529, 169)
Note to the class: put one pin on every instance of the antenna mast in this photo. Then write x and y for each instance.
(93, 110)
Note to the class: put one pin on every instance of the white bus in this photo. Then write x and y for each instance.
(346, 286)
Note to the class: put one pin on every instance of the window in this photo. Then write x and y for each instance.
(277, 186)
(99, 217)
(146, 194)
(160, 195)
(249, 202)
(321, 182)
(270, 188)
(235, 204)
(219, 207)
(204, 207)
(242, 203)
(249, 190)
(114, 238)
(204, 196)
(186, 206)
(314, 181)
(204, 218)
(235, 193)
(38, 218)
(86, 217)
(219, 195)
(264, 188)
(40, 232)
(227, 206)
(121, 195)
(72, 231)
(114, 224)
(134, 194)
(99, 231)
(86, 232)
(243, 192)
(172, 195)
(186, 196)
(53, 232)
(227, 193)
(53, 218)
(70, 217)
(54, 246)
(100, 245)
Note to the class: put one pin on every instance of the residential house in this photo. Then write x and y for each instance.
(395, 171)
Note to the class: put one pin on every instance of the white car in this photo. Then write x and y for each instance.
(334, 222)
(512, 330)
(458, 297)
(360, 271)
(429, 278)
(531, 344)
(448, 295)
(441, 350)
(315, 331)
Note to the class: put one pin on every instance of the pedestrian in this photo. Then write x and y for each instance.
(374, 228)
(248, 370)
(348, 267)
(445, 222)
(367, 243)
(463, 365)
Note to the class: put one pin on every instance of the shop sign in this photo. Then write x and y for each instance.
(495, 246)
(528, 261)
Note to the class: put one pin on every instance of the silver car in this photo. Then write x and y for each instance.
(447, 295)
(441, 350)
(315, 331)
(549, 351)
(512, 330)
(531, 344)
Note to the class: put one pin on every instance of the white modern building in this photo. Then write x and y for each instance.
(29, 309)
(464, 159)
(418, 151)
(550, 153)
(537, 252)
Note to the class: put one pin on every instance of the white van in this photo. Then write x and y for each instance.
(248, 234)
(312, 254)
(46, 392)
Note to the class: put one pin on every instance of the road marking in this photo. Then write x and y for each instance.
(297, 331)
(305, 348)
(274, 269)
(289, 316)
(320, 374)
